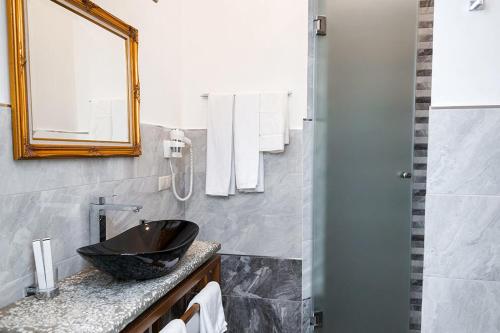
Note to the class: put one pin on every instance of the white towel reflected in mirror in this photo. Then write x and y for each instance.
(109, 120)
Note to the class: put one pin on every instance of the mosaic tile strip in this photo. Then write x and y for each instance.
(422, 105)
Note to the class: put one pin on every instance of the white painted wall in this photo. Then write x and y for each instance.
(244, 45)
(4, 64)
(101, 81)
(159, 55)
(466, 64)
(190, 47)
(51, 39)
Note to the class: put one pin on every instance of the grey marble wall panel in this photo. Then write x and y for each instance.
(460, 306)
(307, 207)
(461, 271)
(11, 291)
(71, 266)
(63, 215)
(307, 314)
(257, 315)
(39, 175)
(462, 237)
(307, 268)
(60, 214)
(262, 294)
(464, 158)
(271, 221)
(142, 191)
(14, 290)
(50, 198)
(261, 277)
(199, 139)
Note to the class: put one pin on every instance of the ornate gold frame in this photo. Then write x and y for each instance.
(23, 148)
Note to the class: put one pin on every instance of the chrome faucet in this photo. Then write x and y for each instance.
(97, 218)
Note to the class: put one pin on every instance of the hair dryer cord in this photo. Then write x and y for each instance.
(191, 180)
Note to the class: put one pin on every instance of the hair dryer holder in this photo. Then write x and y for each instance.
(173, 148)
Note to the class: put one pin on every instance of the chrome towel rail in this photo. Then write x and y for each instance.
(205, 95)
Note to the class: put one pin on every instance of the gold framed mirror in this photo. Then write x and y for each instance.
(73, 79)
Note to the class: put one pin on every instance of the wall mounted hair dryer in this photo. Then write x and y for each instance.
(173, 149)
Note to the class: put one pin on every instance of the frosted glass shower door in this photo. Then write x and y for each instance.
(364, 123)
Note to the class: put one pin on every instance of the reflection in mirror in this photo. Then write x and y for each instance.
(78, 82)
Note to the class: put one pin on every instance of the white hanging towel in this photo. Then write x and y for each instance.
(260, 184)
(246, 140)
(119, 116)
(175, 326)
(212, 319)
(232, 182)
(274, 126)
(219, 144)
(101, 120)
(193, 325)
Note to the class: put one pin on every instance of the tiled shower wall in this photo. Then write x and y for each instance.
(462, 271)
(50, 198)
(423, 102)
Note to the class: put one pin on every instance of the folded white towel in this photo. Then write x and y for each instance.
(219, 144)
(212, 319)
(175, 326)
(246, 140)
(260, 184)
(274, 127)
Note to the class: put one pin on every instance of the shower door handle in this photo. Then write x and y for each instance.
(405, 175)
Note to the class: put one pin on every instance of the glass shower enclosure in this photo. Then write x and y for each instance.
(364, 107)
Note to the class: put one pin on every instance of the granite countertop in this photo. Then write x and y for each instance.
(93, 302)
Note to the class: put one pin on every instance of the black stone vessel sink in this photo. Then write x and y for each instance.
(143, 252)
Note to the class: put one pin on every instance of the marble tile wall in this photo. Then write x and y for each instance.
(307, 221)
(271, 221)
(50, 198)
(454, 305)
(461, 290)
(262, 294)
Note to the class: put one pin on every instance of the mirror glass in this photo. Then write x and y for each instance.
(78, 82)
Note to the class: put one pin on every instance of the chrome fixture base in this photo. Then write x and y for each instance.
(42, 294)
